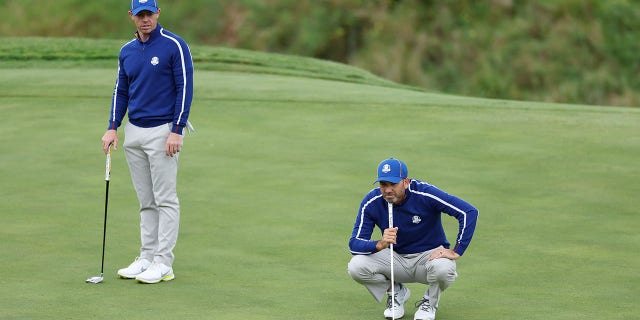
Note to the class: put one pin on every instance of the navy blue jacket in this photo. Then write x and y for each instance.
(155, 82)
(418, 219)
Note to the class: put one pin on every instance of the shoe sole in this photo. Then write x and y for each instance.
(129, 276)
(168, 277)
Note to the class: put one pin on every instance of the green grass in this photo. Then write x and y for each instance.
(270, 184)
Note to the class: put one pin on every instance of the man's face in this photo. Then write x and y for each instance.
(394, 192)
(146, 21)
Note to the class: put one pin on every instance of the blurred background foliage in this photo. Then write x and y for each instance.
(570, 51)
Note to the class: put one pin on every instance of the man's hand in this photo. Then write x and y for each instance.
(110, 137)
(388, 237)
(444, 253)
(174, 143)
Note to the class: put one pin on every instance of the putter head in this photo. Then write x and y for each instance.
(97, 279)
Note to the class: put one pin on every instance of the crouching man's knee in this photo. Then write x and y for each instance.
(357, 268)
(441, 270)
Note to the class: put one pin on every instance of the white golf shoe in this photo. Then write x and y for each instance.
(157, 272)
(425, 310)
(135, 268)
(401, 297)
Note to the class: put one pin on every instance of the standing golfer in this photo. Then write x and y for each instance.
(155, 87)
(421, 251)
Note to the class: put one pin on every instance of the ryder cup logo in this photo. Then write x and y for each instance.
(416, 219)
(155, 61)
(386, 168)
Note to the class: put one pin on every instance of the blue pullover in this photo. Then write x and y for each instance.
(155, 82)
(418, 219)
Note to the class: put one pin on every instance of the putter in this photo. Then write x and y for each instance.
(99, 278)
(393, 289)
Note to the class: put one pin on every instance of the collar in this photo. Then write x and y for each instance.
(154, 34)
(407, 194)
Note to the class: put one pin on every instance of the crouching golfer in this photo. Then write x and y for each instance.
(420, 248)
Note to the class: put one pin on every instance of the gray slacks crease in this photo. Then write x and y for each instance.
(154, 176)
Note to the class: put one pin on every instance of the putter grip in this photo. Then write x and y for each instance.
(108, 167)
(390, 206)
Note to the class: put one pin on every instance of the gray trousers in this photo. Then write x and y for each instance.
(154, 176)
(374, 272)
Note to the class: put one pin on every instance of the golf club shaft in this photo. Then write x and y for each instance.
(106, 205)
(393, 289)
(104, 229)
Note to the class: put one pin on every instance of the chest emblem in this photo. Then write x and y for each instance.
(416, 219)
(155, 61)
